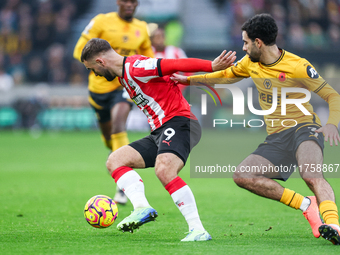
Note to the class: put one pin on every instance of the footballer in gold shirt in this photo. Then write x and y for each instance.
(285, 148)
(287, 71)
(127, 36)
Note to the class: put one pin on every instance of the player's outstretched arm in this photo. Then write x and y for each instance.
(182, 79)
(224, 60)
(331, 133)
(170, 66)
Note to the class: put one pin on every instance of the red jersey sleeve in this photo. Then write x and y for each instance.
(170, 66)
(145, 69)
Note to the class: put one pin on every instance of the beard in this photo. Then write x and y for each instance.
(254, 54)
(108, 76)
(254, 58)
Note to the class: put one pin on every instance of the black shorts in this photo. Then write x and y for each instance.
(103, 103)
(178, 136)
(280, 148)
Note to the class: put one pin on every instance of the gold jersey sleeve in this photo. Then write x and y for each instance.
(314, 82)
(126, 38)
(230, 75)
(289, 71)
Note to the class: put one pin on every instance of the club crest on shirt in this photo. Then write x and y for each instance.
(312, 73)
(125, 38)
(267, 84)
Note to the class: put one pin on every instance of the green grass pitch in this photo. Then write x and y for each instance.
(45, 181)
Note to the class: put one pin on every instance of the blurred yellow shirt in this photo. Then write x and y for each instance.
(288, 71)
(126, 38)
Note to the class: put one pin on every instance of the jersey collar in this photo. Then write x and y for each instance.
(123, 71)
(277, 61)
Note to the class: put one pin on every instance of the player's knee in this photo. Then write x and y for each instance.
(165, 174)
(167, 167)
(239, 178)
(311, 182)
(160, 171)
(113, 163)
(109, 165)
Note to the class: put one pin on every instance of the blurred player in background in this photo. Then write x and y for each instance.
(162, 50)
(300, 140)
(128, 36)
(175, 130)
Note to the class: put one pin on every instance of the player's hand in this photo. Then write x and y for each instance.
(224, 60)
(331, 133)
(180, 79)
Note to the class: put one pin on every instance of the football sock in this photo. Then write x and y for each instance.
(119, 140)
(108, 143)
(305, 204)
(184, 199)
(132, 184)
(291, 198)
(329, 212)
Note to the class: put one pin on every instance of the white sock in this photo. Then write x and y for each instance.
(117, 188)
(185, 201)
(305, 204)
(132, 185)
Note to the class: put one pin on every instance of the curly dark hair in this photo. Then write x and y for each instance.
(94, 47)
(261, 26)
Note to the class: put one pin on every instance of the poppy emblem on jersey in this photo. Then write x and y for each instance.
(267, 84)
(168, 143)
(125, 38)
(137, 33)
(282, 77)
(312, 73)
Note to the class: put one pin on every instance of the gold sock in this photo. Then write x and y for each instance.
(329, 212)
(108, 143)
(119, 140)
(291, 198)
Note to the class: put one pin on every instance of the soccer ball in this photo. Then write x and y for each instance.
(100, 211)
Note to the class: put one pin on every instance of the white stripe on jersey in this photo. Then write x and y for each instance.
(125, 85)
(145, 79)
(150, 64)
(159, 112)
(147, 64)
